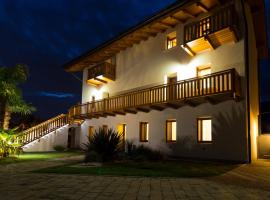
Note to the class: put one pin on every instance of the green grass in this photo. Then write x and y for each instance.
(26, 157)
(147, 169)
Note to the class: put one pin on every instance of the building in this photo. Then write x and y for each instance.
(184, 81)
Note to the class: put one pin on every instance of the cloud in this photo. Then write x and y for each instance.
(59, 95)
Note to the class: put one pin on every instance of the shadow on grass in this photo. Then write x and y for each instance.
(146, 169)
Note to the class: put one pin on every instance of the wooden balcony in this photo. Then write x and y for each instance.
(101, 74)
(211, 88)
(211, 32)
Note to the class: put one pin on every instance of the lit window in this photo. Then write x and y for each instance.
(91, 131)
(205, 130)
(203, 71)
(144, 131)
(170, 130)
(171, 40)
(105, 128)
(206, 81)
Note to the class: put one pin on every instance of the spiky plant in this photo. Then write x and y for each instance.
(106, 144)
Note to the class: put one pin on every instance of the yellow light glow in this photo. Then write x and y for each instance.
(174, 131)
(253, 138)
(207, 130)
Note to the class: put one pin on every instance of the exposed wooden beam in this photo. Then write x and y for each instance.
(140, 37)
(156, 107)
(176, 19)
(146, 110)
(173, 105)
(202, 7)
(188, 14)
(157, 30)
(100, 80)
(109, 114)
(148, 32)
(119, 112)
(188, 50)
(166, 24)
(207, 38)
(130, 111)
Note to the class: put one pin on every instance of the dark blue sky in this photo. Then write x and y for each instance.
(46, 34)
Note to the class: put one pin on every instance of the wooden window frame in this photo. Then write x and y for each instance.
(89, 128)
(203, 67)
(199, 135)
(166, 131)
(141, 124)
(170, 39)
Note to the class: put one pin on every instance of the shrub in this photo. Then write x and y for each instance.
(130, 147)
(142, 153)
(106, 144)
(59, 148)
(9, 143)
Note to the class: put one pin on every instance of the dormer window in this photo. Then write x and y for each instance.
(171, 40)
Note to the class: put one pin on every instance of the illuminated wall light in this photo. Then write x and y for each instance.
(254, 138)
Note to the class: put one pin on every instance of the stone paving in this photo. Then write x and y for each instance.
(245, 182)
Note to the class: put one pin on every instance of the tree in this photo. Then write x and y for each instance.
(11, 98)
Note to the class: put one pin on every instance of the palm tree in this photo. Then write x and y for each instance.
(11, 98)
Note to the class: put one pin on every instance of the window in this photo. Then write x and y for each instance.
(91, 130)
(105, 128)
(203, 71)
(144, 131)
(204, 84)
(204, 129)
(171, 40)
(170, 130)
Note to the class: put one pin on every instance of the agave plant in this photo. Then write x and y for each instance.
(104, 144)
(9, 143)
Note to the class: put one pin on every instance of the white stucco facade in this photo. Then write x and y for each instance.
(149, 63)
(49, 141)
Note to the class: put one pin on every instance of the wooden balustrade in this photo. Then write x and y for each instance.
(225, 82)
(42, 129)
(101, 73)
(223, 18)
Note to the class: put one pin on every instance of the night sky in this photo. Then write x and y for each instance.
(46, 34)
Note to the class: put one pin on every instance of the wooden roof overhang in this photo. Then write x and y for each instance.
(179, 12)
(260, 27)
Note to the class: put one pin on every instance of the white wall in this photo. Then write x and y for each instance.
(228, 122)
(46, 143)
(147, 64)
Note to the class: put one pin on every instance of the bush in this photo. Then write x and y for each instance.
(59, 148)
(106, 145)
(142, 153)
(9, 142)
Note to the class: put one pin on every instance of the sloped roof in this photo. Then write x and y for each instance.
(178, 12)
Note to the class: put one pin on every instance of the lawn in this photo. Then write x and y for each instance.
(27, 157)
(147, 169)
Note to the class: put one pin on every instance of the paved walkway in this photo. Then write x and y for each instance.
(245, 182)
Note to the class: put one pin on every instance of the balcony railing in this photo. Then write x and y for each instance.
(223, 18)
(36, 132)
(101, 73)
(225, 83)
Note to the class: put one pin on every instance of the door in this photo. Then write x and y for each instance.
(71, 138)
(172, 88)
(121, 129)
